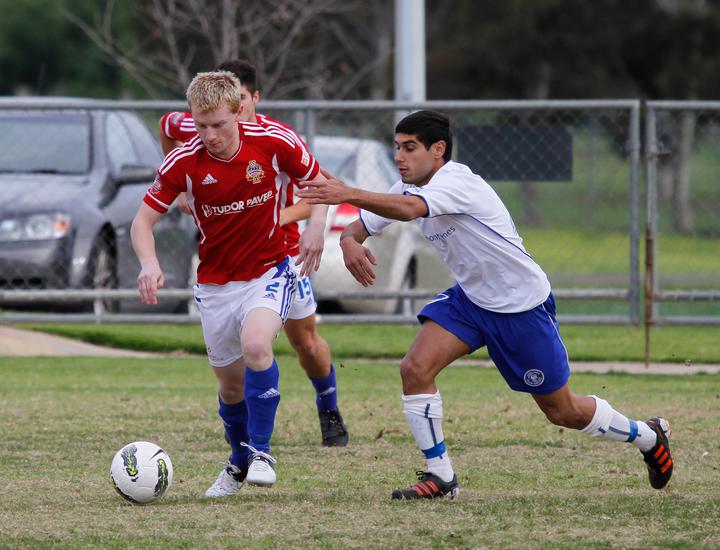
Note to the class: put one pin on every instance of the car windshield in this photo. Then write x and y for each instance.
(44, 144)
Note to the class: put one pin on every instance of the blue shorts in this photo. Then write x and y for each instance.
(526, 347)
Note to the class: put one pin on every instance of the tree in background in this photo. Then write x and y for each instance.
(677, 58)
(41, 53)
(302, 48)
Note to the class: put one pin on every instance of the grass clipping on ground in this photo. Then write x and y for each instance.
(524, 483)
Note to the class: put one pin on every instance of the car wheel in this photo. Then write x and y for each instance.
(102, 275)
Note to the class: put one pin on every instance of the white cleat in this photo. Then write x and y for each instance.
(228, 483)
(260, 468)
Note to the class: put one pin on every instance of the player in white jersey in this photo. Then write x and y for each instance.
(502, 300)
(300, 328)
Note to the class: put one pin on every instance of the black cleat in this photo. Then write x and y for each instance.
(429, 486)
(658, 459)
(334, 432)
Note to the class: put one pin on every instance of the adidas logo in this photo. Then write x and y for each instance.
(208, 180)
(270, 296)
(272, 392)
(327, 391)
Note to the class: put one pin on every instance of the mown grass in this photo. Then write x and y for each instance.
(585, 343)
(525, 483)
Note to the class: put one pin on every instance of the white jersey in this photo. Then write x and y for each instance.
(474, 234)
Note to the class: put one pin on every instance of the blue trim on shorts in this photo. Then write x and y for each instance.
(288, 289)
(526, 347)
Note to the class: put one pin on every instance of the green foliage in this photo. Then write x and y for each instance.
(490, 49)
(44, 53)
(563, 49)
(524, 483)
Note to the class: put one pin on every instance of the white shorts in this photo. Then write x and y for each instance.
(223, 309)
(304, 304)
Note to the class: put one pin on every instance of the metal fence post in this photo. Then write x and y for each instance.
(634, 146)
(651, 154)
(309, 128)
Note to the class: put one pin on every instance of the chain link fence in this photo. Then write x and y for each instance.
(73, 173)
(682, 283)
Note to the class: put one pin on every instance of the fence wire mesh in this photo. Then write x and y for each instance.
(73, 174)
(683, 225)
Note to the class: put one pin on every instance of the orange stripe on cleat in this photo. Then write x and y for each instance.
(659, 451)
(417, 490)
(663, 458)
(667, 465)
(433, 486)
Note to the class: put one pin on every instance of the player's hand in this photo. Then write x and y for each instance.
(151, 278)
(182, 204)
(358, 261)
(325, 191)
(312, 242)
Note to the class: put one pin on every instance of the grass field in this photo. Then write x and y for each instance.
(524, 482)
(585, 343)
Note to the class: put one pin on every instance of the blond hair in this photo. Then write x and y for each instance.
(209, 91)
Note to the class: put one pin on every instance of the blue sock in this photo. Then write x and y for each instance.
(235, 419)
(263, 397)
(326, 390)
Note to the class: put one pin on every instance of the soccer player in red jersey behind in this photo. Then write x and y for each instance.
(231, 173)
(313, 352)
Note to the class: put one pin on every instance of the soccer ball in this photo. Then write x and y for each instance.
(141, 472)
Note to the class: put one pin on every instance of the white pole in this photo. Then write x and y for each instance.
(410, 50)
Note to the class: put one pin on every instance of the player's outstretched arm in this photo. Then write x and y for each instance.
(357, 258)
(331, 190)
(141, 233)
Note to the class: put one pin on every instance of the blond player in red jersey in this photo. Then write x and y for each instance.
(231, 173)
(313, 352)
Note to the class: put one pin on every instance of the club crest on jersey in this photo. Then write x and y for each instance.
(254, 172)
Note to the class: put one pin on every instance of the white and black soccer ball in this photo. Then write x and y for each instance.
(141, 472)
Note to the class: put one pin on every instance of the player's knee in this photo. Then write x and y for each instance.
(413, 371)
(304, 344)
(258, 354)
(231, 392)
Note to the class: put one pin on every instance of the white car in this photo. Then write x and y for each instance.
(405, 259)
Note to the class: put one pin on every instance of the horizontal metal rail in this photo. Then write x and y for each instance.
(687, 296)
(684, 105)
(357, 105)
(61, 296)
(679, 320)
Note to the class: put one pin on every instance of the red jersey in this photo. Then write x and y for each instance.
(235, 202)
(180, 126)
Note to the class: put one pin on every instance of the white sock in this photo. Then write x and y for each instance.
(424, 416)
(607, 423)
